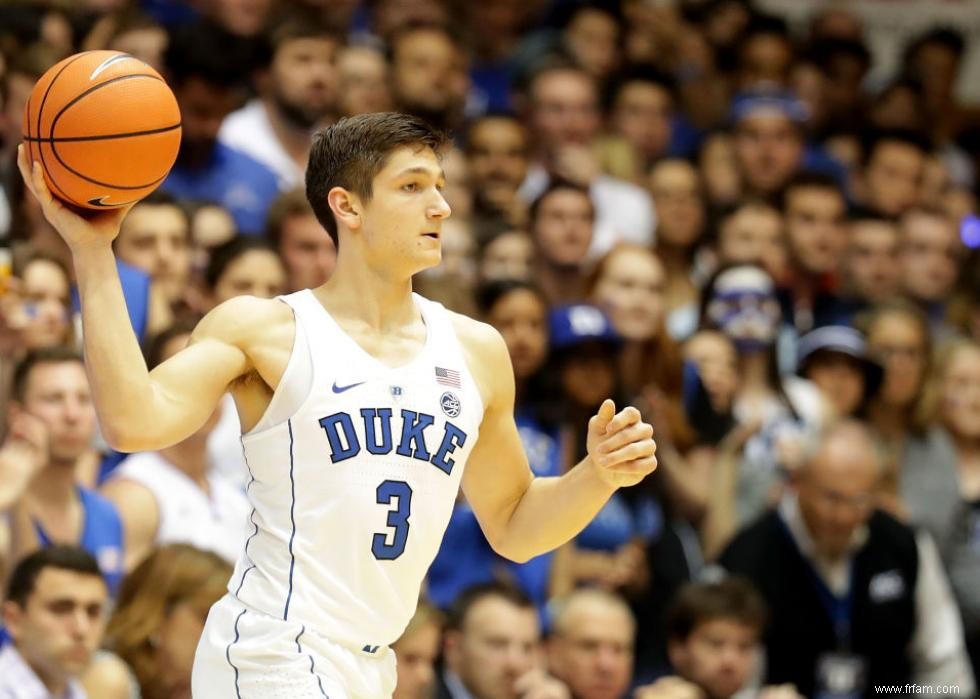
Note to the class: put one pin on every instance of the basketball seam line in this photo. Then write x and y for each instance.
(101, 137)
(40, 111)
(75, 101)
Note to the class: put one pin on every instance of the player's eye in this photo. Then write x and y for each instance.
(410, 187)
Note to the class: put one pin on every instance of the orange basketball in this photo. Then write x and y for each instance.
(105, 128)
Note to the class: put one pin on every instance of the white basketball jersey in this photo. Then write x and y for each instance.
(353, 492)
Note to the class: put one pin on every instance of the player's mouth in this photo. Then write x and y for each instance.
(431, 234)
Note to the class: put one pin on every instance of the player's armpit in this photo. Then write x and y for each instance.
(240, 335)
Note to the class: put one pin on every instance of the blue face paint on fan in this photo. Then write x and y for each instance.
(745, 308)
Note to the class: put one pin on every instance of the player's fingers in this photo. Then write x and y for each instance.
(41, 191)
(626, 417)
(635, 450)
(601, 419)
(25, 166)
(634, 433)
(637, 467)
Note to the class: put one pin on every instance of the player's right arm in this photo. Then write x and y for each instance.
(138, 410)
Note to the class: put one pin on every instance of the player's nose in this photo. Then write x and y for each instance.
(439, 208)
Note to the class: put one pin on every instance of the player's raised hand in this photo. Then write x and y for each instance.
(96, 229)
(621, 445)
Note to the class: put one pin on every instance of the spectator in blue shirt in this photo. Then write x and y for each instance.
(206, 68)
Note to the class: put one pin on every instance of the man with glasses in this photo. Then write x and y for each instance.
(857, 599)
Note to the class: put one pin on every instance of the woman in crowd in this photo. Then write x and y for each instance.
(676, 191)
(948, 501)
(243, 266)
(160, 615)
(519, 311)
(740, 301)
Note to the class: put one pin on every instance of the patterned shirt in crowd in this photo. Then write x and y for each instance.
(19, 681)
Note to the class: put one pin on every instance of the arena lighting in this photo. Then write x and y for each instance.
(970, 231)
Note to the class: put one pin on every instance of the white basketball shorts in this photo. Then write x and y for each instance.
(245, 654)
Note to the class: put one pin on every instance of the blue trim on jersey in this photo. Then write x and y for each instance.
(247, 542)
(299, 649)
(254, 524)
(228, 654)
(292, 519)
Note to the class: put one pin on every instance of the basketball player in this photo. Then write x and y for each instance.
(360, 404)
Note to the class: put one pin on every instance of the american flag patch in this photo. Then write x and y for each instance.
(447, 377)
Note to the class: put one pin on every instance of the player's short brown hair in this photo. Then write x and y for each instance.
(351, 153)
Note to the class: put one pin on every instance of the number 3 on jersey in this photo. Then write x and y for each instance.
(397, 518)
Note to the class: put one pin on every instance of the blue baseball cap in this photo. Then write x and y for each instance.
(576, 324)
(770, 101)
(845, 340)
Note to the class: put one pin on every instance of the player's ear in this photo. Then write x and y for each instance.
(346, 207)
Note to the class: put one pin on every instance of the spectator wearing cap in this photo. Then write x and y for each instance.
(835, 358)
(609, 552)
(770, 147)
(561, 222)
(856, 598)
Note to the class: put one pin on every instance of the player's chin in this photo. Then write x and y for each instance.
(428, 255)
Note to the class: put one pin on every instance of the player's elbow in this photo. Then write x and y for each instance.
(121, 439)
(511, 550)
(127, 438)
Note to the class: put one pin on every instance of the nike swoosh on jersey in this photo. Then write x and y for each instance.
(341, 389)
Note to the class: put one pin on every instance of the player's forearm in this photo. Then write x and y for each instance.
(116, 368)
(552, 511)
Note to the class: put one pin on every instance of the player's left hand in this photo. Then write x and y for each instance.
(621, 445)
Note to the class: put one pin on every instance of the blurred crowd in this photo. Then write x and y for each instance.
(692, 206)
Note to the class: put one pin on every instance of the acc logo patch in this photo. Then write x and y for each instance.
(450, 404)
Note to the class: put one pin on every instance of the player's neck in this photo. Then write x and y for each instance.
(356, 291)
